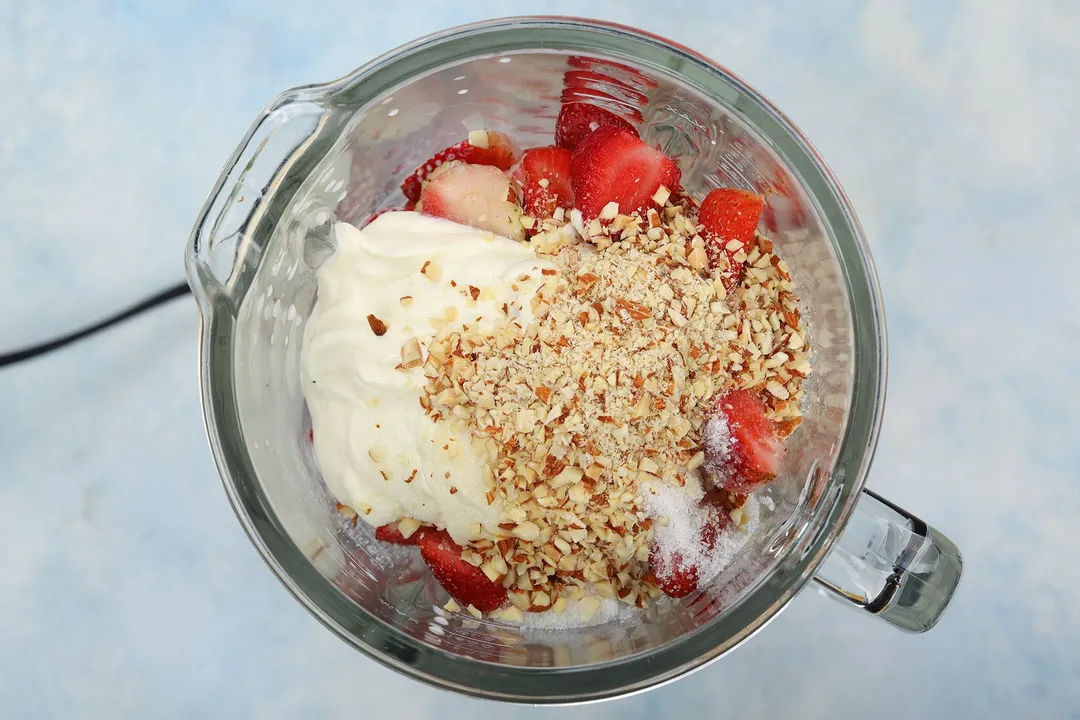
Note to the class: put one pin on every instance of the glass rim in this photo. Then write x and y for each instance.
(376, 638)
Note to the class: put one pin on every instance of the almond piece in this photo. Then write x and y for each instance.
(635, 310)
(479, 139)
(588, 606)
(511, 614)
(698, 258)
(777, 390)
(527, 531)
(377, 326)
(407, 527)
(648, 465)
(568, 476)
(411, 356)
(431, 270)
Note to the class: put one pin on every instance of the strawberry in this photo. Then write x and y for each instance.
(475, 195)
(613, 165)
(391, 534)
(498, 151)
(750, 453)
(551, 165)
(677, 577)
(578, 119)
(678, 580)
(730, 217)
(466, 583)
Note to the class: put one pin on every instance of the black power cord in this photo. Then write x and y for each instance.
(179, 290)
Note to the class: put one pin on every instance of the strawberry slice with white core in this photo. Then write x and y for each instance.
(483, 147)
(476, 195)
(742, 448)
(613, 165)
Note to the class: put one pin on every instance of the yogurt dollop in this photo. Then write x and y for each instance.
(401, 277)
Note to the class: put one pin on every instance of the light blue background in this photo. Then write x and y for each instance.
(127, 589)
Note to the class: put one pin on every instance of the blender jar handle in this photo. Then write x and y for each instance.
(892, 564)
(217, 248)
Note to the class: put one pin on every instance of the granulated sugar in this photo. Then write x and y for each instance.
(679, 521)
(731, 542)
(716, 437)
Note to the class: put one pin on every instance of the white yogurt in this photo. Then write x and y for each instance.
(364, 410)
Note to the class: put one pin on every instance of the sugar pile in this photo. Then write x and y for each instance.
(679, 521)
(732, 541)
(718, 442)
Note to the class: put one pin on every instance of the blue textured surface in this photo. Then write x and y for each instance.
(127, 589)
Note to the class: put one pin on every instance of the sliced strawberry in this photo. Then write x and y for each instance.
(675, 575)
(545, 181)
(475, 195)
(730, 217)
(578, 119)
(614, 165)
(498, 151)
(391, 534)
(466, 583)
(748, 452)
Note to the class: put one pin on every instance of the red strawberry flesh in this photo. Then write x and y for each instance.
(749, 451)
(730, 217)
(677, 574)
(676, 577)
(613, 165)
(546, 181)
(578, 119)
(391, 534)
(466, 583)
